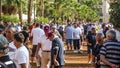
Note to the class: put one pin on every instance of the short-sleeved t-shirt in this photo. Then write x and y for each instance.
(12, 50)
(22, 56)
(91, 39)
(111, 51)
(36, 33)
(69, 32)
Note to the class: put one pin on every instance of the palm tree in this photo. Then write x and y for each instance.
(29, 10)
(11, 6)
(42, 8)
(0, 8)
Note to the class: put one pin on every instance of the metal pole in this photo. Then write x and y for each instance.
(0, 9)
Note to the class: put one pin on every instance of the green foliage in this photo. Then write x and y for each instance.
(41, 19)
(10, 18)
(10, 6)
(115, 13)
(61, 10)
(93, 4)
(86, 12)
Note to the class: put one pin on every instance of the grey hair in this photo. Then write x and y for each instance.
(111, 34)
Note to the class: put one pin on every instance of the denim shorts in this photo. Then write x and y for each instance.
(69, 41)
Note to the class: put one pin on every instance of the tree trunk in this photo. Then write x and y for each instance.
(20, 13)
(42, 8)
(0, 9)
(29, 10)
(78, 1)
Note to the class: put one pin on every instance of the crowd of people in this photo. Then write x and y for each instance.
(48, 41)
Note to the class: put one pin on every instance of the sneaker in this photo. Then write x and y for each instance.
(81, 52)
(89, 62)
(75, 51)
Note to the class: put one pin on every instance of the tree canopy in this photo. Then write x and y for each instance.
(115, 13)
(57, 10)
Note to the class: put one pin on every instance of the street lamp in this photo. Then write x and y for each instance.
(34, 2)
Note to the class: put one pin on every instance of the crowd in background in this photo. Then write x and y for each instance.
(48, 41)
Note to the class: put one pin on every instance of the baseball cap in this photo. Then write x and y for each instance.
(3, 44)
(50, 34)
(46, 28)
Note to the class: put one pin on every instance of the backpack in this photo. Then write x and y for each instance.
(2, 65)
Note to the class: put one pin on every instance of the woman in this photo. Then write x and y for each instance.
(96, 50)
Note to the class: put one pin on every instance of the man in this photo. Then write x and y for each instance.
(61, 31)
(45, 45)
(69, 36)
(91, 41)
(22, 55)
(56, 31)
(76, 37)
(36, 33)
(5, 61)
(26, 35)
(57, 51)
(110, 51)
(9, 32)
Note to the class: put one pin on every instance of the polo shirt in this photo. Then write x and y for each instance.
(111, 51)
(46, 44)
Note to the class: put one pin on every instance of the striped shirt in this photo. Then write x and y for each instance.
(111, 51)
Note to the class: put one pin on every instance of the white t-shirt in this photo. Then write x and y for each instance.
(36, 33)
(22, 56)
(76, 33)
(12, 50)
(46, 44)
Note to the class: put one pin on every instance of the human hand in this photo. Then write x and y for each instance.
(56, 63)
(37, 56)
(89, 44)
(114, 66)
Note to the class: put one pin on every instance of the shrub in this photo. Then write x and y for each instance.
(42, 19)
(10, 18)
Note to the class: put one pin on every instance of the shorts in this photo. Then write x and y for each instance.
(34, 50)
(90, 50)
(69, 41)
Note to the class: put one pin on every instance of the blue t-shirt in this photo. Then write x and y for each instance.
(69, 32)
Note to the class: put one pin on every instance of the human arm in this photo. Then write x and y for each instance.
(87, 40)
(23, 65)
(37, 50)
(55, 53)
(55, 61)
(102, 57)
